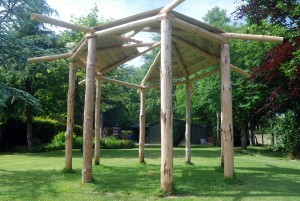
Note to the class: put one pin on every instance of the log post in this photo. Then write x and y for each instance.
(142, 126)
(188, 123)
(97, 122)
(166, 116)
(70, 117)
(226, 111)
(88, 112)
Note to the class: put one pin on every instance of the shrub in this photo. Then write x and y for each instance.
(45, 129)
(113, 143)
(287, 130)
(58, 142)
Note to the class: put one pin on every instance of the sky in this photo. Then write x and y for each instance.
(117, 9)
(122, 8)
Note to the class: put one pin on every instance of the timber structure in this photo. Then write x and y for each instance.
(189, 50)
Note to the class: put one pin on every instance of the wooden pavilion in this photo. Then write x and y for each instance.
(188, 48)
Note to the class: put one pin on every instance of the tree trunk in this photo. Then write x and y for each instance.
(252, 138)
(188, 123)
(226, 111)
(142, 126)
(244, 137)
(218, 140)
(101, 125)
(97, 122)
(0, 136)
(88, 112)
(29, 128)
(70, 118)
(166, 116)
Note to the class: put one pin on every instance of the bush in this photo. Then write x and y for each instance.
(45, 129)
(287, 130)
(58, 142)
(113, 143)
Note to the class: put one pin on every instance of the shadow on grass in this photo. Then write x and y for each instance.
(257, 182)
(30, 185)
(152, 151)
(261, 151)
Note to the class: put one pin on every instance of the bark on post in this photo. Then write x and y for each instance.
(226, 111)
(97, 122)
(166, 116)
(88, 112)
(70, 117)
(142, 126)
(188, 123)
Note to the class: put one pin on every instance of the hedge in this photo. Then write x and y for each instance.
(45, 129)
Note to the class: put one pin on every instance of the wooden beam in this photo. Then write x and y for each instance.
(97, 122)
(80, 50)
(239, 71)
(171, 6)
(197, 30)
(49, 20)
(126, 39)
(128, 26)
(124, 47)
(88, 112)
(194, 48)
(70, 117)
(156, 86)
(151, 68)
(105, 70)
(79, 44)
(226, 111)
(142, 126)
(204, 75)
(188, 123)
(166, 117)
(180, 63)
(113, 81)
(174, 31)
(208, 56)
(118, 82)
(49, 58)
(262, 38)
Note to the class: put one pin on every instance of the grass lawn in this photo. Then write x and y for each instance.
(260, 175)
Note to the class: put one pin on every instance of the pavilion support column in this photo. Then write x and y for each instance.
(142, 126)
(226, 111)
(70, 117)
(97, 122)
(188, 123)
(166, 116)
(88, 112)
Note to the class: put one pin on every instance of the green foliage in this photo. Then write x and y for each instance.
(114, 143)
(218, 18)
(45, 129)
(58, 142)
(287, 130)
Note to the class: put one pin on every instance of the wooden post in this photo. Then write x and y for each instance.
(97, 122)
(188, 123)
(88, 112)
(70, 117)
(142, 126)
(226, 111)
(166, 116)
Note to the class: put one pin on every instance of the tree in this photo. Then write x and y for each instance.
(283, 12)
(278, 71)
(17, 44)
